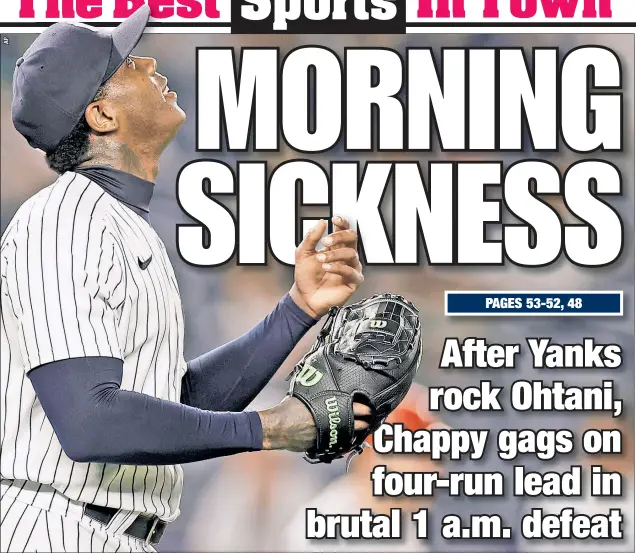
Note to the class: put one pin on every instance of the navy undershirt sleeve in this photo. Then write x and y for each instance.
(96, 421)
(230, 377)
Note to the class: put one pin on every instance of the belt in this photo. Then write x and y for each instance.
(149, 529)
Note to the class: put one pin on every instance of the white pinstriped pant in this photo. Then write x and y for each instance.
(47, 522)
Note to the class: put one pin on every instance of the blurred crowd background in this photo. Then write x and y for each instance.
(256, 501)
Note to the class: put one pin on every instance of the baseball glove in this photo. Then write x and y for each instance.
(367, 352)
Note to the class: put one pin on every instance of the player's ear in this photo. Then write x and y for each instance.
(101, 116)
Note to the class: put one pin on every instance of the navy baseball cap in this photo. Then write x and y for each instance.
(61, 72)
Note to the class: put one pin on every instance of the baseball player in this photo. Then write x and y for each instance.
(99, 407)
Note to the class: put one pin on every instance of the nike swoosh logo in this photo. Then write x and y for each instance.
(143, 265)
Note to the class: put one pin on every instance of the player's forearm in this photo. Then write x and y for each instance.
(231, 376)
(289, 425)
(96, 421)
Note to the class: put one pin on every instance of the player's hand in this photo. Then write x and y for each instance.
(291, 426)
(328, 277)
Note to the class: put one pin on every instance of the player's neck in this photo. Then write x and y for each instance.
(140, 161)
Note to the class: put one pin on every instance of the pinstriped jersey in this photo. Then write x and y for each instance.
(82, 276)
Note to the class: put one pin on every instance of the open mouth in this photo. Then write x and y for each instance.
(166, 92)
